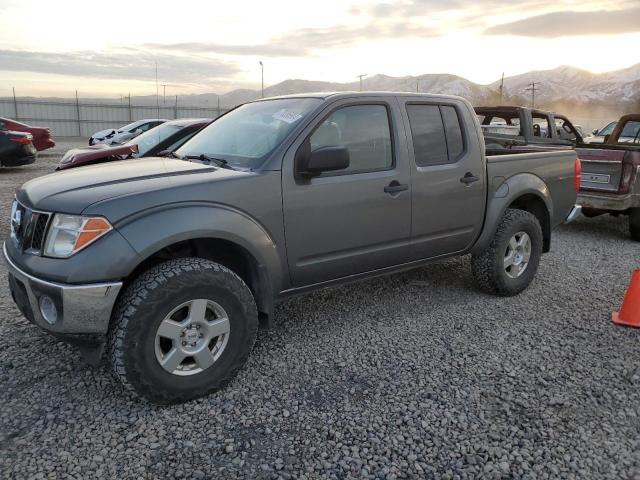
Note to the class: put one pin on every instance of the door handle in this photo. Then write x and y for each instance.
(469, 178)
(395, 187)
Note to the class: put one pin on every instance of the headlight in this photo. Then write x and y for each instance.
(69, 234)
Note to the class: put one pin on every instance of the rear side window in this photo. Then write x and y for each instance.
(364, 130)
(427, 132)
(436, 134)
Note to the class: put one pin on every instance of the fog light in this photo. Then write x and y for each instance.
(48, 309)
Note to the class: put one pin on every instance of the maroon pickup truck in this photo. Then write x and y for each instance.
(610, 181)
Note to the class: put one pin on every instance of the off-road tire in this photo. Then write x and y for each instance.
(146, 302)
(634, 224)
(488, 266)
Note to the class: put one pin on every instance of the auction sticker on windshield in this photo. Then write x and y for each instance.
(287, 116)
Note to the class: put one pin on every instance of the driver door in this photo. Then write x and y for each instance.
(349, 221)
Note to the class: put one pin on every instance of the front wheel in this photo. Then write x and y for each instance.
(181, 330)
(507, 266)
(634, 224)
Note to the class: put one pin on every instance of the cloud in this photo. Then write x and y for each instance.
(134, 66)
(570, 23)
(304, 41)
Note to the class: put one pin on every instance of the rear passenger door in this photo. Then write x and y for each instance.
(448, 178)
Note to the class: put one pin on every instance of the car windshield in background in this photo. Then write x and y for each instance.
(630, 130)
(245, 136)
(149, 139)
(608, 129)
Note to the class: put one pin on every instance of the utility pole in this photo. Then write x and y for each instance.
(78, 114)
(361, 76)
(501, 88)
(532, 88)
(157, 92)
(164, 93)
(262, 76)
(15, 102)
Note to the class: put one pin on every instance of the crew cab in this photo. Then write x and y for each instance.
(172, 263)
(520, 129)
(610, 180)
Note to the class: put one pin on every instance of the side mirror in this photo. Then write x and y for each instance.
(325, 159)
(594, 131)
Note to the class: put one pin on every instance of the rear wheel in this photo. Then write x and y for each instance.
(507, 266)
(634, 224)
(181, 330)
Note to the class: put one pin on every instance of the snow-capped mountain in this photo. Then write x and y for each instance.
(572, 84)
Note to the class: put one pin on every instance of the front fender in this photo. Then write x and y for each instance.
(504, 193)
(152, 230)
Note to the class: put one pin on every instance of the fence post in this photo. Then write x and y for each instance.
(176, 111)
(78, 112)
(130, 106)
(15, 102)
(218, 111)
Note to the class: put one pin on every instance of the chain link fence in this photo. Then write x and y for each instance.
(76, 118)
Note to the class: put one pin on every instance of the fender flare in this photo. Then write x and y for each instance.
(152, 230)
(504, 195)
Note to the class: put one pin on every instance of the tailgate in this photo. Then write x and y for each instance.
(601, 169)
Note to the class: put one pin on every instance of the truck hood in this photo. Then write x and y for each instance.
(80, 156)
(71, 191)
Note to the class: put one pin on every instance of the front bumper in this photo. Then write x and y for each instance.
(81, 310)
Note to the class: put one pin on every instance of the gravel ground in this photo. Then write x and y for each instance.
(416, 375)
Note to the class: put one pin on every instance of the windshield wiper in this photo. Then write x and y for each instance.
(219, 162)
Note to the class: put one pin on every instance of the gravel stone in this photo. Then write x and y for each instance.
(416, 375)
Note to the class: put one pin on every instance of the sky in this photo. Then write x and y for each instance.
(111, 48)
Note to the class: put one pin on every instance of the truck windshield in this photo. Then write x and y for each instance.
(247, 135)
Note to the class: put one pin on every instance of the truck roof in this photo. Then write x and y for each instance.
(350, 94)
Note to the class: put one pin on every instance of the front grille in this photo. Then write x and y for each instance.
(39, 231)
(29, 228)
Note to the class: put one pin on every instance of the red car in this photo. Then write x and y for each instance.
(41, 135)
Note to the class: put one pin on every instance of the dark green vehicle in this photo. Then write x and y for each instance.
(171, 264)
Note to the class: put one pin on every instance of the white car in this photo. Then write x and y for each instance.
(124, 134)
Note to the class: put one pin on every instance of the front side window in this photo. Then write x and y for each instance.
(608, 130)
(364, 130)
(244, 137)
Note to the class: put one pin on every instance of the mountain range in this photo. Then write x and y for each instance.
(560, 85)
(566, 88)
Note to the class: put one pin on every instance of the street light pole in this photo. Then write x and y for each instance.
(361, 76)
(262, 75)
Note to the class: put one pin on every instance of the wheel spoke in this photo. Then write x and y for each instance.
(217, 327)
(526, 255)
(172, 359)
(170, 329)
(197, 310)
(513, 243)
(508, 260)
(203, 358)
(524, 240)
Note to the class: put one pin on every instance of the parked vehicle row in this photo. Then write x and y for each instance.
(123, 134)
(166, 137)
(171, 263)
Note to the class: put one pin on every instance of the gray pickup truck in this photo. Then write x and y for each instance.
(171, 264)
